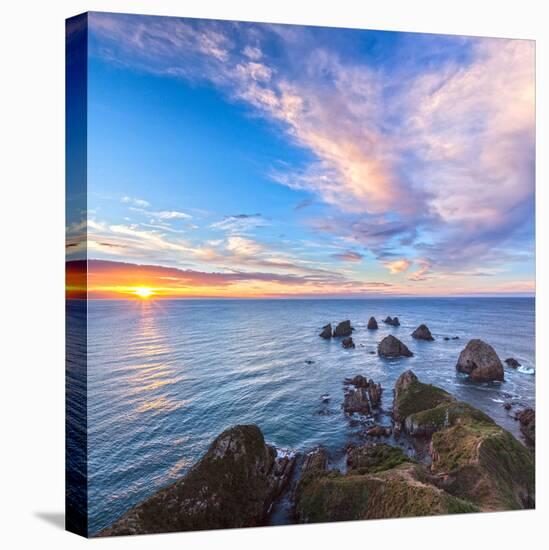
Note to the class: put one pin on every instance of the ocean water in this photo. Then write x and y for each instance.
(165, 377)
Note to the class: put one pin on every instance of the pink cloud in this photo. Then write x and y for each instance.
(398, 266)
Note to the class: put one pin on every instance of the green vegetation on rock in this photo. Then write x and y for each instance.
(371, 459)
(472, 457)
(485, 464)
(442, 416)
(392, 493)
(418, 397)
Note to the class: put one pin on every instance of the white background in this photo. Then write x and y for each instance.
(32, 271)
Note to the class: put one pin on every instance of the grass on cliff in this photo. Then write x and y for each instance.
(419, 397)
(393, 493)
(371, 459)
(488, 465)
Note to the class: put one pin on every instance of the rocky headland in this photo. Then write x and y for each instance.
(233, 485)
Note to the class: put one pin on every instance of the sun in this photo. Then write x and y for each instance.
(143, 292)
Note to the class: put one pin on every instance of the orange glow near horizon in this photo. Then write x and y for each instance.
(112, 280)
(143, 292)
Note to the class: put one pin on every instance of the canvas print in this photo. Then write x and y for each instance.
(300, 274)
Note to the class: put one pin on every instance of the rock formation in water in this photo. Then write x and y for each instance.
(512, 362)
(326, 332)
(374, 393)
(359, 381)
(372, 324)
(364, 398)
(233, 485)
(480, 361)
(357, 401)
(393, 347)
(343, 329)
(422, 333)
(348, 343)
(392, 321)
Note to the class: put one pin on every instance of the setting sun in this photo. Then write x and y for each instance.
(143, 292)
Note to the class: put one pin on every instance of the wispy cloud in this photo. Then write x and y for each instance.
(140, 203)
(348, 256)
(240, 224)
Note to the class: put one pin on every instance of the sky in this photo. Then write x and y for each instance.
(231, 159)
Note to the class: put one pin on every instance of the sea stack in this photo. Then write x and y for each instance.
(372, 324)
(480, 361)
(358, 381)
(326, 332)
(393, 347)
(393, 321)
(364, 398)
(343, 329)
(348, 343)
(422, 333)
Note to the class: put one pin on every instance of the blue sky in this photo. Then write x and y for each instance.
(273, 160)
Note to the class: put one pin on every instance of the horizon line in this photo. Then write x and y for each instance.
(251, 298)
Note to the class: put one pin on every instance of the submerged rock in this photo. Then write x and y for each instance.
(393, 347)
(343, 329)
(348, 343)
(512, 362)
(480, 361)
(472, 457)
(233, 485)
(326, 332)
(422, 333)
(372, 324)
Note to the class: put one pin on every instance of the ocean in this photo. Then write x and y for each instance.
(166, 376)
